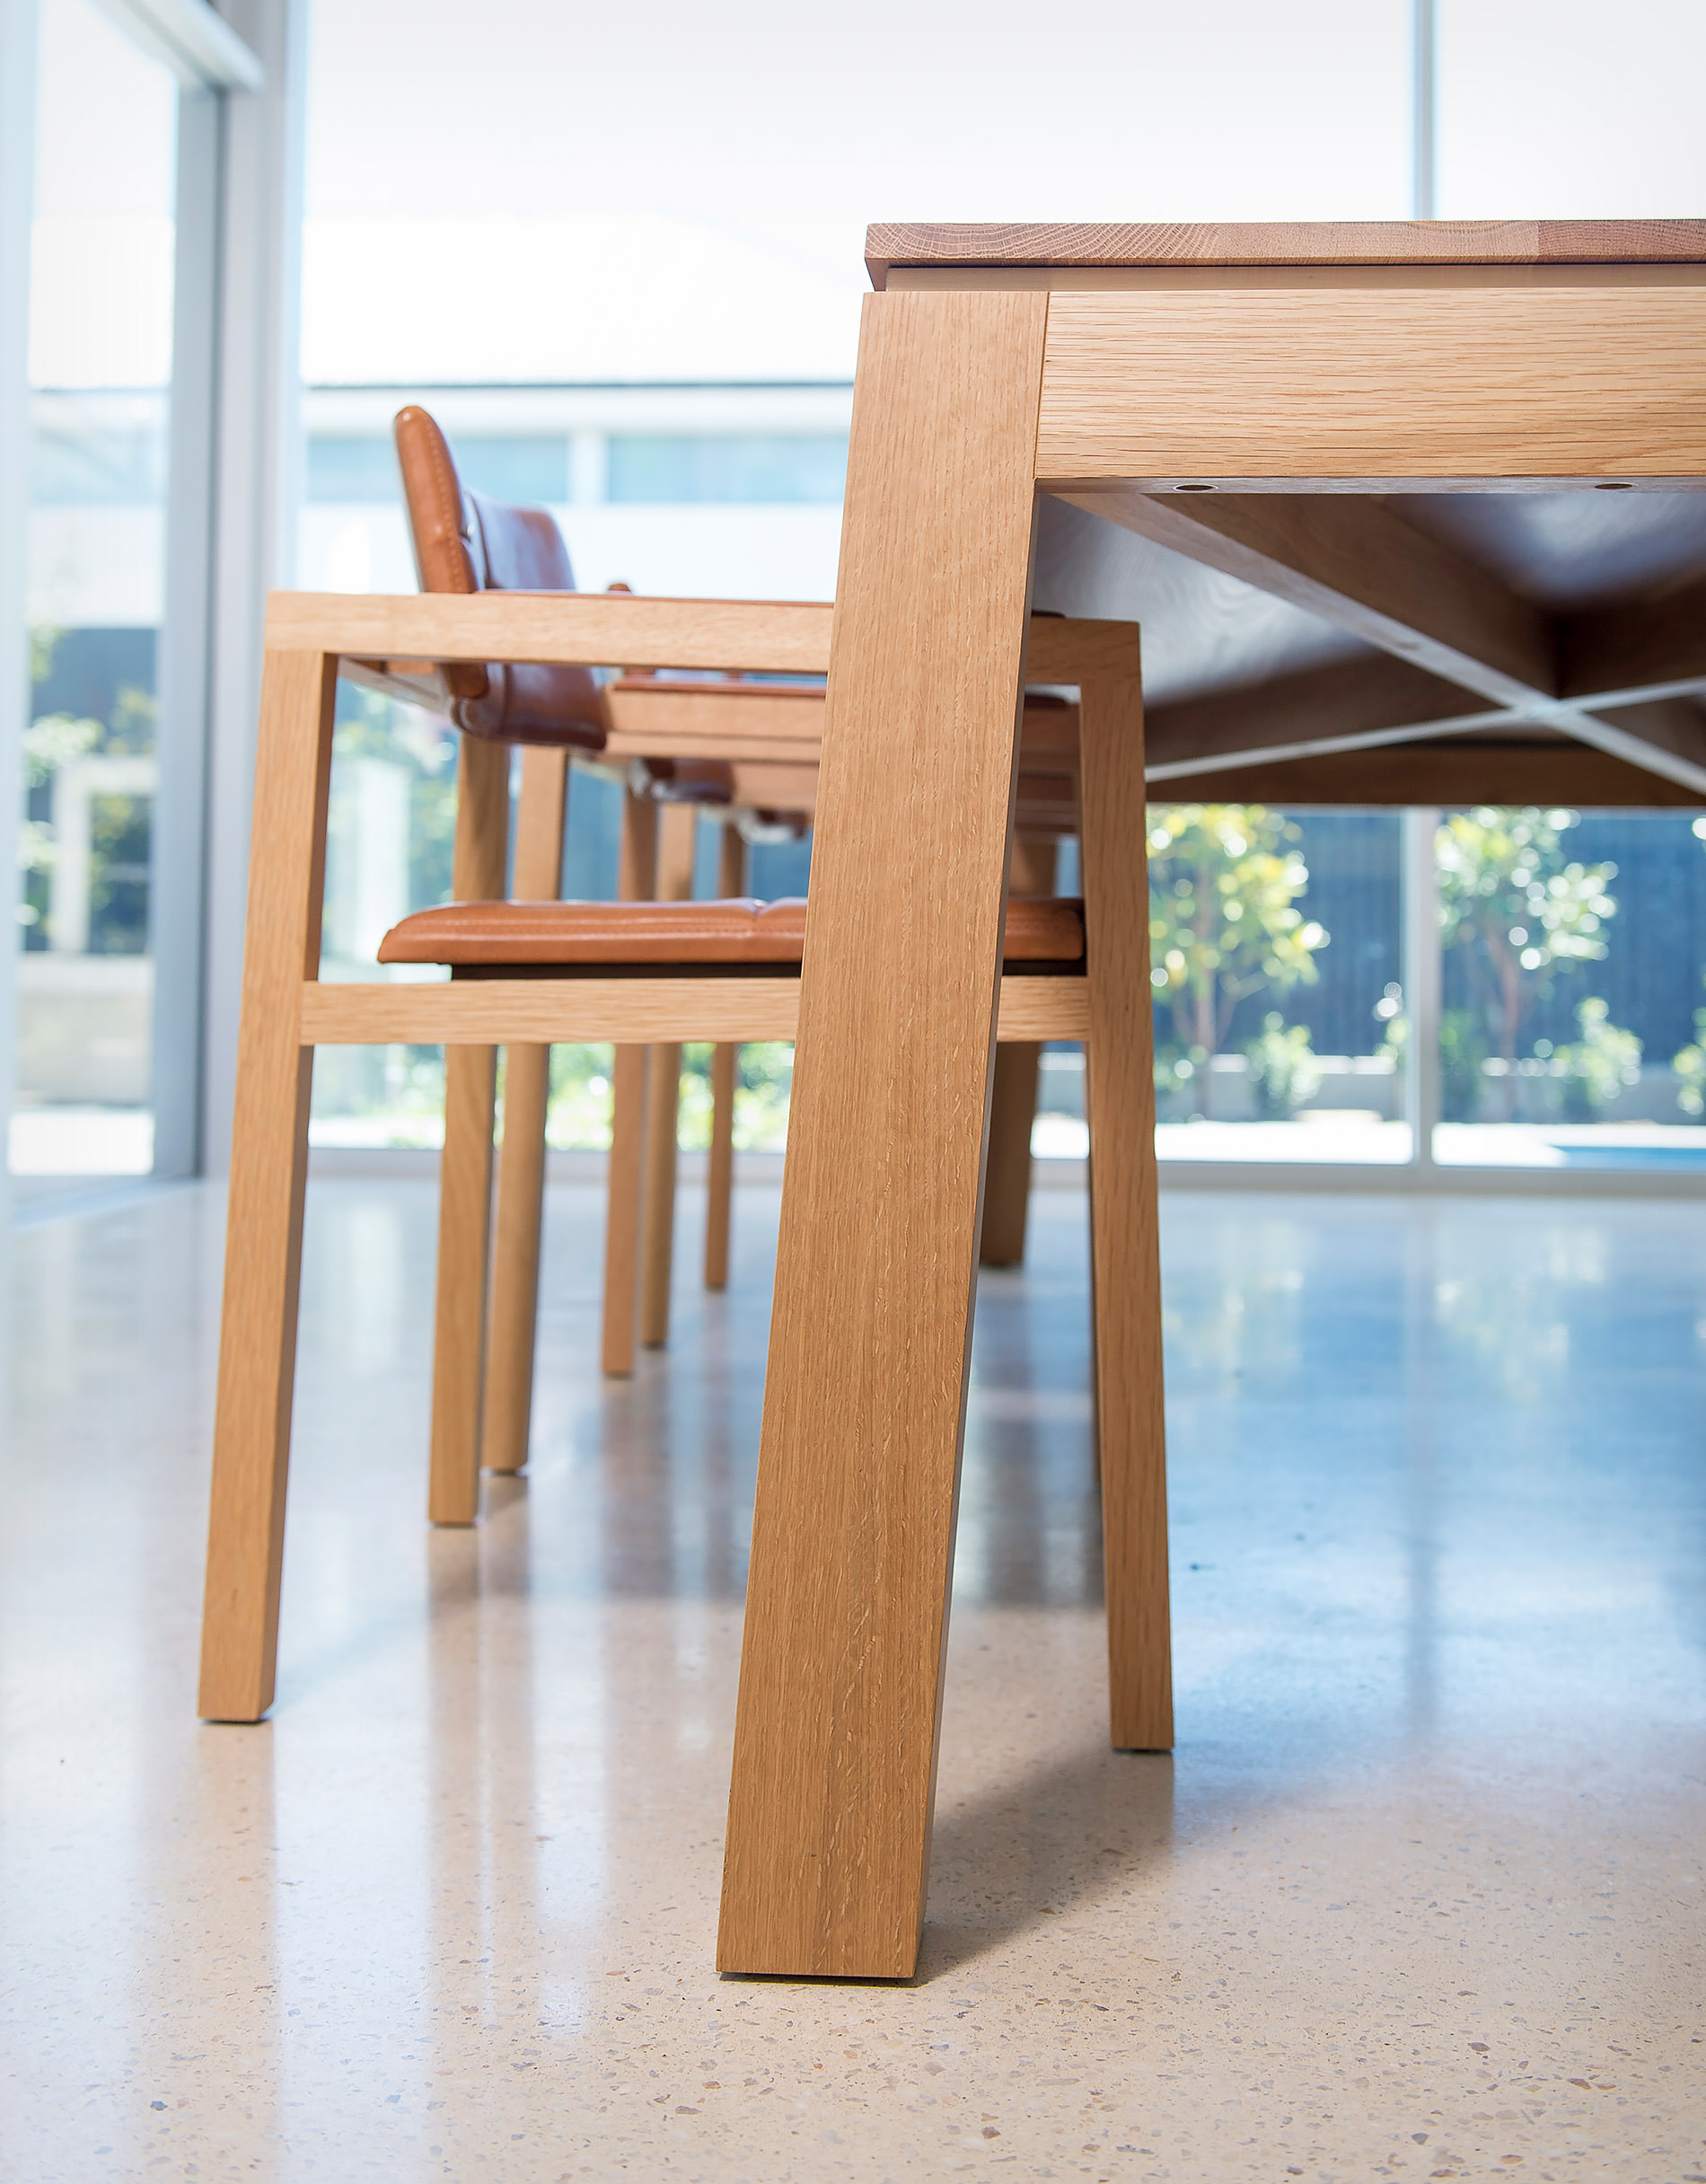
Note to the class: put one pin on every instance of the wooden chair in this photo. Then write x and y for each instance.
(287, 1012)
(483, 1361)
(657, 864)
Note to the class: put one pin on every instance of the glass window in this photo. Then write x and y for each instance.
(518, 467)
(1277, 943)
(100, 367)
(1572, 1029)
(727, 467)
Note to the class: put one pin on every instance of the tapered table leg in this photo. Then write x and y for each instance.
(465, 1169)
(1124, 1238)
(506, 1419)
(836, 1729)
(268, 1173)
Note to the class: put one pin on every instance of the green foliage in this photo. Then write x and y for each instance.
(57, 740)
(578, 1114)
(119, 823)
(1395, 1033)
(1690, 1066)
(1520, 910)
(1223, 879)
(1174, 1070)
(118, 846)
(764, 1081)
(1596, 1066)
(1462, 1057)
(578, 1111)
(44, 642)
(1284, 1074)
(130, 726)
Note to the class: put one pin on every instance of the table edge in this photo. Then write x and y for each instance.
(1321, 243)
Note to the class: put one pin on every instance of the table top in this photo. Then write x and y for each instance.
(1292, 243)
(1296, 629)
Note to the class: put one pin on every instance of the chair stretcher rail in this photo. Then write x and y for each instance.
(628, 1011)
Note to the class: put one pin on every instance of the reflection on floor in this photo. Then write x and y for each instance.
(1418, 1896)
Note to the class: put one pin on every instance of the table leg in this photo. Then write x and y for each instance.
(1125, 1274)
(269, 1174)
(477, 874)
(636, 872)
(830, 1810)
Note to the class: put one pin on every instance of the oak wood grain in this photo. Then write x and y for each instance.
(268, 1171)
(575, 629)
(1361, 565)
(1478, 769)
(1124, 1233)
(1662, 735)
(1493, 384)
(581, 1011)
(677, 834)
(506, 1418)
(477, 873)
(1348, 705)
(1281, 243)
(636, 876)
(1013, 1094)
(720, 1180)
(1637, 649)
(831, 1798)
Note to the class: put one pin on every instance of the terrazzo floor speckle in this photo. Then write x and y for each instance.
(1418, 1896)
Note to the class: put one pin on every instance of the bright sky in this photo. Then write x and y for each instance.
(660, 190)
(682, 191)
(553, 189)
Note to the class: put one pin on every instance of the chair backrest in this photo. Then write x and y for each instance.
(466, 541)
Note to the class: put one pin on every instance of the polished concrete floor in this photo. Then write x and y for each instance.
(1418, 1896)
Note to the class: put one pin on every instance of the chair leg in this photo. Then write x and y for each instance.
(465, 1169)
(657, 1226)
(636, 874)
(623, 1210)
(1006, 1186)
(506, 1417)
(719, 1181)
(268, 1172)
(459, 1324)
(719, 1176)
(1013, 1101)
(677, 837)
(1124, 1238)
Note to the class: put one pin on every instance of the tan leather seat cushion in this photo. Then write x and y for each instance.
(734, 930)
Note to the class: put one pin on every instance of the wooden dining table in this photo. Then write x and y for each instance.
(1408, 513)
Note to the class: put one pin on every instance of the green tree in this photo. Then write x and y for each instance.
(1223, 880)
(1597, 1068)
(1521, 911)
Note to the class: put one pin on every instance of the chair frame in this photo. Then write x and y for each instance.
(287, 1012)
